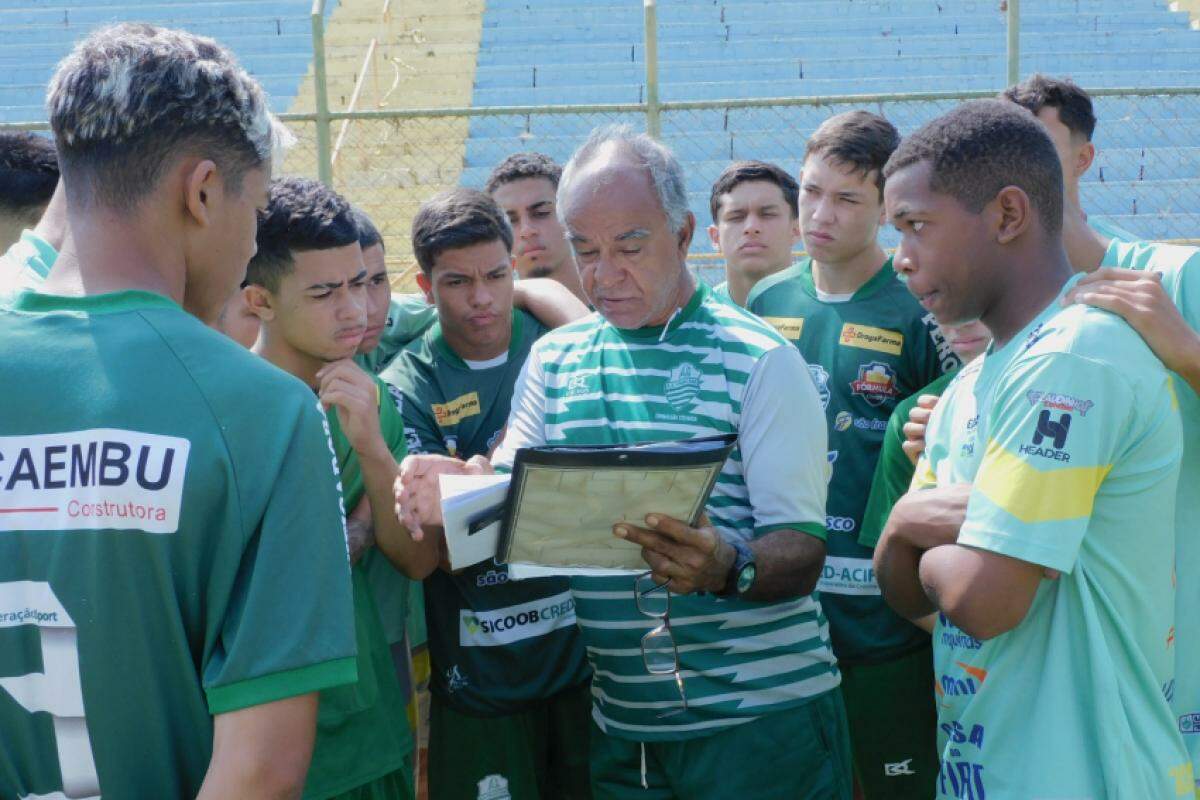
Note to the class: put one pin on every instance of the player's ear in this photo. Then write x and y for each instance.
(1012, 212)
(686, 231)
(426, 285)
(200, 191)
(714, 236)
(1084, 158)
(260, 301)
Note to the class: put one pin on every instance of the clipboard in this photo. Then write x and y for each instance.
(563, 502)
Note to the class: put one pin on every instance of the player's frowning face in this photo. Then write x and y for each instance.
(378, 297)
(632, 264)
(755, 229)
(539, 242)
(320, 309)
(472, 288)
(840, 210)
(942, 245)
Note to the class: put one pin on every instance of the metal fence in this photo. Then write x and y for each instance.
(387, 160)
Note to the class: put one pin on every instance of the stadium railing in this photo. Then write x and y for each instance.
(389, 160)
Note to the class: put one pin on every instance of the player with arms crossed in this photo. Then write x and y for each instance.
(156, 527)
(1058, 451)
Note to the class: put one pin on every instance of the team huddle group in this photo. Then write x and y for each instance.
(953, 553)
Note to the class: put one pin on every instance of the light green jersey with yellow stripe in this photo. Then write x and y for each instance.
(1070, 436)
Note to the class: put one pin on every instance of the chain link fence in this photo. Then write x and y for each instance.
(1145, 180)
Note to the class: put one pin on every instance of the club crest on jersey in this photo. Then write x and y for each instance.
(876, 383)
(683, 386)
(577, 385)
(820, 379)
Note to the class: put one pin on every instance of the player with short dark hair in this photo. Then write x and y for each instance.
(510, 704)
(306, 284)
(756, 222)
(157, 525)
(1156, 288)
(524, 184)
(868, 345)
(1053, 641)
(28, 177)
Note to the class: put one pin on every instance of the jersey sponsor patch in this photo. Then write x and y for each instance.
(842, 575)
(1059, 401)
(455, 411)
(876, 383)
(97, 479)
(502, 626)
(788, 327)
(868, 338)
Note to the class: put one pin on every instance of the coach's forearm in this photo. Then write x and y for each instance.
(788, 564)
(415, 559)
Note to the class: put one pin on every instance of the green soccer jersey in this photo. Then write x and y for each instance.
(26, 264)
(1071, 439)
(1180, 269)
(865, 354)
(496, 645)
(894, 470)
(362, 729)
(721, 292)
(166, 554)
(408, 317)
(712, 369)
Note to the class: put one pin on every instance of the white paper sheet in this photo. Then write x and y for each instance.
(465, 498)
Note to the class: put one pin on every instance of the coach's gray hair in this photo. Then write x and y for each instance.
(666, 173)
(128, 94)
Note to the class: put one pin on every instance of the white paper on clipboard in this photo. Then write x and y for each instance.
(467, 499)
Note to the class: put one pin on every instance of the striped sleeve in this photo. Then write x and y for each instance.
(1057, 422)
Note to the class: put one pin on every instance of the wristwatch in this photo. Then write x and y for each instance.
(742, 572)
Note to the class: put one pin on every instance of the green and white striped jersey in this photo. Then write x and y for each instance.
(713, 369)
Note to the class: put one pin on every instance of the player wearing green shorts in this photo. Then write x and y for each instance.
(1055, 625)
(756, 223)
(510, 695)
(152, 641)
(868, 344)
(306, 285)
(752, 709)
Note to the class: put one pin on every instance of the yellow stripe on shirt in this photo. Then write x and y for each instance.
(1034, 495)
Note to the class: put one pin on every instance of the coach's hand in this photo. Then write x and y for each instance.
(914, 429)
(1139, 298)
(418, 494)
(343, 385)
(692, 559)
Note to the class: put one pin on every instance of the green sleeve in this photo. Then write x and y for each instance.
(893, 473)
(288, 627)
(391, 421)
(420, 429)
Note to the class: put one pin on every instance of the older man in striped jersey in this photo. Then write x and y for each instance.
(750, 708)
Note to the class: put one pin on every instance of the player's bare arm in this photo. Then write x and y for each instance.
(344, 386)
(1139, 298)
(919, 522)
(360, 530)
(983, 593)
(697, 559)
(548, 300)
(262, 752)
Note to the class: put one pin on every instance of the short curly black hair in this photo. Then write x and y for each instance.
(301, 215)
(979, 148)
(455, 219)
(28, 172)
(519, 166)
(1073, 103)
